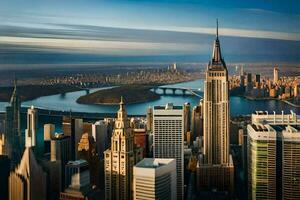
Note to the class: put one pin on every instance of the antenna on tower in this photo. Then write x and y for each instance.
(217, 28)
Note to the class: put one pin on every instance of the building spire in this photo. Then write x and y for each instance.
(14, 95)
(217, 29)
(217, 60)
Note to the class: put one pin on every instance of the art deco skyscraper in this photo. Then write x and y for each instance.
(12, 129)
(120, 159)
(216, 109)
(216, 158)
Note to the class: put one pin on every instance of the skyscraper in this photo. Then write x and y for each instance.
(28, 180)
(99, 132)
(60, 155)
(120, 159)
(168, 128)
(197, 121)
(275, 74)
(154, 178)
(87, 151)
(30, 132)
(216, 167)
(13, 147)
(73, 127)
(78, 182)
(273, 161)
(49, 131)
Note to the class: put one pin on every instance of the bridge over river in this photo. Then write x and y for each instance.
(183, 91)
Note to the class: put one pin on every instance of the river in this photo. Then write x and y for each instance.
(238, 105)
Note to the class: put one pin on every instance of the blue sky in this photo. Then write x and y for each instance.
(149, 27)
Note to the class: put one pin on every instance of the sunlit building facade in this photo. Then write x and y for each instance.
(215, 170)
(120, 159)
(168, 131)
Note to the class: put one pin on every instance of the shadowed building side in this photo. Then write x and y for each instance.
(28, 180)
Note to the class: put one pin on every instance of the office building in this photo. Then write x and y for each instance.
(77, 173)
(4, 175)
(77, 181)
(87, 151)
(197, 121)
(49, 131)
(87, 128)
(140, 139)
(2, 145)
(168, 128)
(249, 79)
(28, 180)
(257, 78)
(120, 159)
(275, 75)
(149, 119)
(60, 148)
(265, 117)
(100, 134)
(242, 80)
(32, 123)
(154, 178)
(216, 168)
(273, 167)
(187, 117)
(73, 127)
(13, 144)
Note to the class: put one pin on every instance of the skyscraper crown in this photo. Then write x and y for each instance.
(217, 61)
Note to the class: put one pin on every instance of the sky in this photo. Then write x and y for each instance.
(50, 31)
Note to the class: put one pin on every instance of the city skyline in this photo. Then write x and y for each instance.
(113, 100)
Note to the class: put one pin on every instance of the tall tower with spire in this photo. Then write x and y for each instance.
(120, 158)
(12, 128)
(216, 167)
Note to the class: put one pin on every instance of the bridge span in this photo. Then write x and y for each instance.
(184, 90)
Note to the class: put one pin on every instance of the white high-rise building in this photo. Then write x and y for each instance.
(154, 178)
(168, 128)
(274, 118)
(30, 132)
(273, 161)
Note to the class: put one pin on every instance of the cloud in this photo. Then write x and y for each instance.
(232, 32)
(100, 47)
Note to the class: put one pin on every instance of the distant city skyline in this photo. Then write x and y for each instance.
(34, 32)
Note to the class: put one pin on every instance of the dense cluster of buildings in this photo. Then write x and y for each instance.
(166, 75)
(175, 152)
(256, 86)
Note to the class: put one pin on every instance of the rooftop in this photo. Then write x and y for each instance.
(80, 162)
(168, 106)
(259, 127)
(153, 162)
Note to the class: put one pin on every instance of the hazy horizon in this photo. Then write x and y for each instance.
(80, 32)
